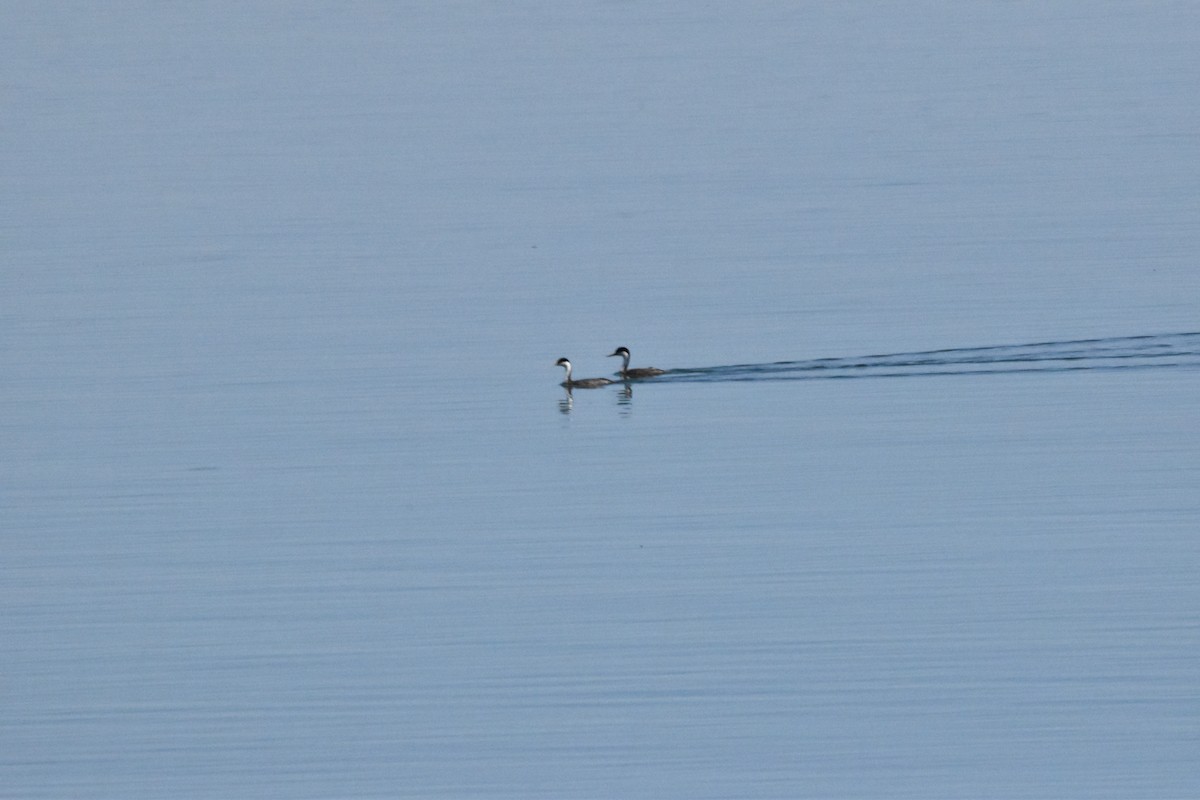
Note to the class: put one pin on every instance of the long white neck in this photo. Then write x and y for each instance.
(567, 366)
(624, 362)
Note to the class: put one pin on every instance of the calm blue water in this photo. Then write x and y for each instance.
(292, 504)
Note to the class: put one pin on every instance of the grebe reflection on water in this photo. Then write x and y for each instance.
(632, 374)
(582, 383)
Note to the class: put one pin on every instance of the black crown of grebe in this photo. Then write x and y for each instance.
(582, 383)
(631, 374)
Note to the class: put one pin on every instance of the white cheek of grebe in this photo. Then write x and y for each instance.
(582, 383)
(629, 374)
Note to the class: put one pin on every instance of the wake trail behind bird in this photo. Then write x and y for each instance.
(1157, 351)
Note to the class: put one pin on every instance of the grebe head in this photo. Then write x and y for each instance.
(623, 352)
(562, 362)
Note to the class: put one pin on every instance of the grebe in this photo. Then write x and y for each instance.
(641, 372)
(584, 383)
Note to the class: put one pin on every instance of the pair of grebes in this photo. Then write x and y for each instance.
(626, 374)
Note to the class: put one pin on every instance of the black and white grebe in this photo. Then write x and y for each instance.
(631, 374)
(583, 383)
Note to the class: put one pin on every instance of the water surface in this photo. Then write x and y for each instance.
(290, 503)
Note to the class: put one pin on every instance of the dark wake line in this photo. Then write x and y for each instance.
(1157, 351)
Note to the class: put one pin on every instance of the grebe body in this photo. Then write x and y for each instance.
(633, 374)
(582, 383)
